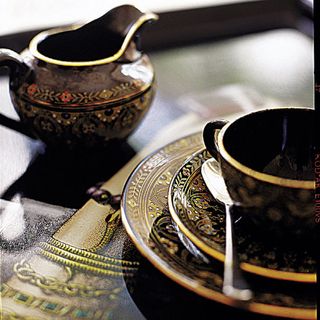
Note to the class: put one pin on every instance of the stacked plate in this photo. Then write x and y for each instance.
(187, 241)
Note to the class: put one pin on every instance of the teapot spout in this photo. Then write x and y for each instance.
(100, 41)
(126, 21)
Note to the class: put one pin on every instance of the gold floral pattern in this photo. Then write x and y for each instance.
(25, 273)
(149, 233)
(89, 127)
(273, 207)
(204, 217)
(46, 96)
(48, 307)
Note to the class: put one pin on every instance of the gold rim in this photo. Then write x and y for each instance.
(33, 47)
(290, 183)
(164, 267)
(265, 272)
(285, 312)
(96, 106)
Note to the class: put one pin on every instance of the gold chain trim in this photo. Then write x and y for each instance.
(71, 256)
(85, 267)
(50, 307)
(25, 273)
(90, 255)
(11, 315)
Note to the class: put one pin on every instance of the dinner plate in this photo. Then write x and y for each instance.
(202, 219)
(146, 217)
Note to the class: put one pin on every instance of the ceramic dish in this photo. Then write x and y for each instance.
(146, 218)
(202, 219)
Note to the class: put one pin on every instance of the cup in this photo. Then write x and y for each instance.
(266, 161)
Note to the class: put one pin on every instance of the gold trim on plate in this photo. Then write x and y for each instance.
(261, 271)
(136, 218)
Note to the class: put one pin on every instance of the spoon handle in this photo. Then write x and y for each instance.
(234, 284)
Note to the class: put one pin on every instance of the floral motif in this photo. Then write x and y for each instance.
(88, 128)
(46, 125)
(183, 266)
(32, 89)
(272, 207)
(47, 96)
(66, 96)
(186, 172)
(71, 126)
(204, 217)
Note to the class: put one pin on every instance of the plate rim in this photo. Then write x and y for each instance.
(186, 282)
(246, 266)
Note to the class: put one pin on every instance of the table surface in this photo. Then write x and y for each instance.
(277, 64)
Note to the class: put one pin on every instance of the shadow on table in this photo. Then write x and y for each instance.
(158, 297)
(62, 177)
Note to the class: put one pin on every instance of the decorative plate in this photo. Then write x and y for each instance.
(202, 219)
(146, 217)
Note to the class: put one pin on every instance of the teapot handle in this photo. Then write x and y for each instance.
(17, 69)
(12, 60)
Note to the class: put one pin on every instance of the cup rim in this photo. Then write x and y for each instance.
(284, 182)
(33, 46)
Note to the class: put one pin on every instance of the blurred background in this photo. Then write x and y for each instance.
(17, 15)
(211, 57)
(253, 50)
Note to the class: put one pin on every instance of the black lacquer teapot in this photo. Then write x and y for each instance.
(83, 84)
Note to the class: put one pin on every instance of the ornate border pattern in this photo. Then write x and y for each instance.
(169, 255)
(40, 95)
(87, 261)
(87, 126)
(202, 219)
(50, 308)
(25, 273)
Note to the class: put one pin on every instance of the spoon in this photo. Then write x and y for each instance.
(190, 246)
(234, 284)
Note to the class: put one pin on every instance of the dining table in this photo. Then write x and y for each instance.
(212, 62)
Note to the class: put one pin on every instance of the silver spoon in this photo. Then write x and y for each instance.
(190, 246)
(234, 284)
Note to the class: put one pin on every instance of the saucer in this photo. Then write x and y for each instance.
(146, 217)
(202, 219)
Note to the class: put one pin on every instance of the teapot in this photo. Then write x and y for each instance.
(83, 84)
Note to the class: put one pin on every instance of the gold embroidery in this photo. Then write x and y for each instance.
(46, 247)
(47, 306)
(87, 254)
(25, 273)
